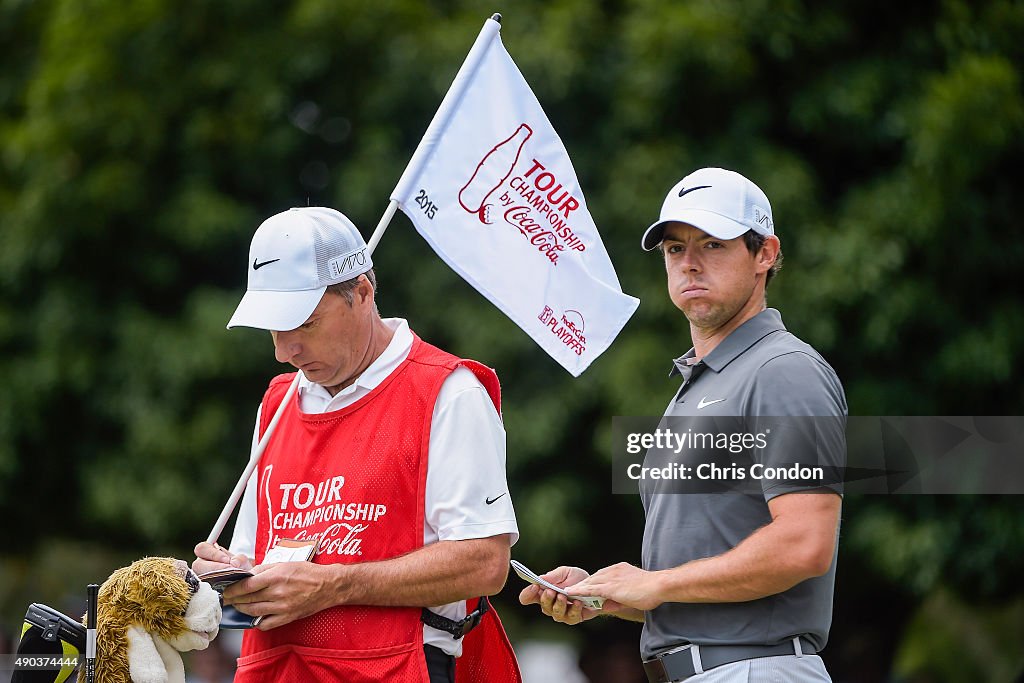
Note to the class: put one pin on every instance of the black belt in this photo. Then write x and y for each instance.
(681, 663)
(460, 628)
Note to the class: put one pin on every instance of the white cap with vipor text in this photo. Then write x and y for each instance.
(294, 256)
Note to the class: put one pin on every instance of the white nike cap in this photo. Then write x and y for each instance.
(294, 256)
(722, 203)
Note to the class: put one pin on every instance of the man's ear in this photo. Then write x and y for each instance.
(768, 253)
(364, 290)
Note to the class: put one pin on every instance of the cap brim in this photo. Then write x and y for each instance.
(277, 311)
(712, 223)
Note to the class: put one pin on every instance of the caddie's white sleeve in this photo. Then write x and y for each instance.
(467, 493)
(243, 540)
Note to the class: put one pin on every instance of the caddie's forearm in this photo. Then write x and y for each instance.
(437, 574)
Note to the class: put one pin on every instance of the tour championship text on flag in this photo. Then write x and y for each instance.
(492, 190)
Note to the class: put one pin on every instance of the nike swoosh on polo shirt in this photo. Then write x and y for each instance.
(704, 402)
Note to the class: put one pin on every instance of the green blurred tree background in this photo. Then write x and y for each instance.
(141, 144)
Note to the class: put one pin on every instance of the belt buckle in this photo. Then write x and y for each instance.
(681, 648)
(470, 622)
(658, 672)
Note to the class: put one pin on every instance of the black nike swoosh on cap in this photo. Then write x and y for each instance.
(691, 189)
(257, 266)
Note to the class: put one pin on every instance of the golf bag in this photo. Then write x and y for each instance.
(52, 645)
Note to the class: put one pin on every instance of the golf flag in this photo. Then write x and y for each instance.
(492, 190)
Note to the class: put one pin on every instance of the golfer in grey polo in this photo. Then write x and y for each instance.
(733, 587)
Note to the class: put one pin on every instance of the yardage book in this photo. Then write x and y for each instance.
(286, 550)
(527, 575)
(220, 579)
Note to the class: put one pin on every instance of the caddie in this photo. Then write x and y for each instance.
(391, 454)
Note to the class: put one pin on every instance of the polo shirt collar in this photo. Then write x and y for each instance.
(684, 364)
(739, 340)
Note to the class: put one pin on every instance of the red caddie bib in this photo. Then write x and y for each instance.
(356, 479)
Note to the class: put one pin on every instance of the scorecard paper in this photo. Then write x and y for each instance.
(527, 575)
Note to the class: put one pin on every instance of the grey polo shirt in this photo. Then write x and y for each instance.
(759, 370)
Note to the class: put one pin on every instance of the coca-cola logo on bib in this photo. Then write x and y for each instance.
(534, 202)
(296, 509)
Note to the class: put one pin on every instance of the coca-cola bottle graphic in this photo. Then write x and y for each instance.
(493, 170)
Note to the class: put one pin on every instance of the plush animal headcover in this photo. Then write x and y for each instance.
(147, 614)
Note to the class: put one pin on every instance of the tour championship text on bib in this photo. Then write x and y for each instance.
(331, 477)
(303, 505)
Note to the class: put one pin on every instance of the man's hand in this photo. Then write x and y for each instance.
(284, 591)
(210, 556)
(624, 584)
(556, 606)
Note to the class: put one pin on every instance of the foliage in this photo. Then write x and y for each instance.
(143, 142)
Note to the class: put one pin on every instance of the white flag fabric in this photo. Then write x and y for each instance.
(492, 190)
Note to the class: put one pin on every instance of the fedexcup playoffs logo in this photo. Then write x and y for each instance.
(568, 328)
(534, 202)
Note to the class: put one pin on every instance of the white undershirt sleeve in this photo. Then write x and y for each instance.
(467, 493)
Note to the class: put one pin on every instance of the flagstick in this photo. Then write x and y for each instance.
(389, 213)
(254, 459)
(448, 106)
(439, 122)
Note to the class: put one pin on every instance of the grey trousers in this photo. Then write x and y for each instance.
(784, 669)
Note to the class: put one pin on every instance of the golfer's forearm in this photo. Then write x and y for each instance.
(434, 575)
(770, 561)
(798, 544)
